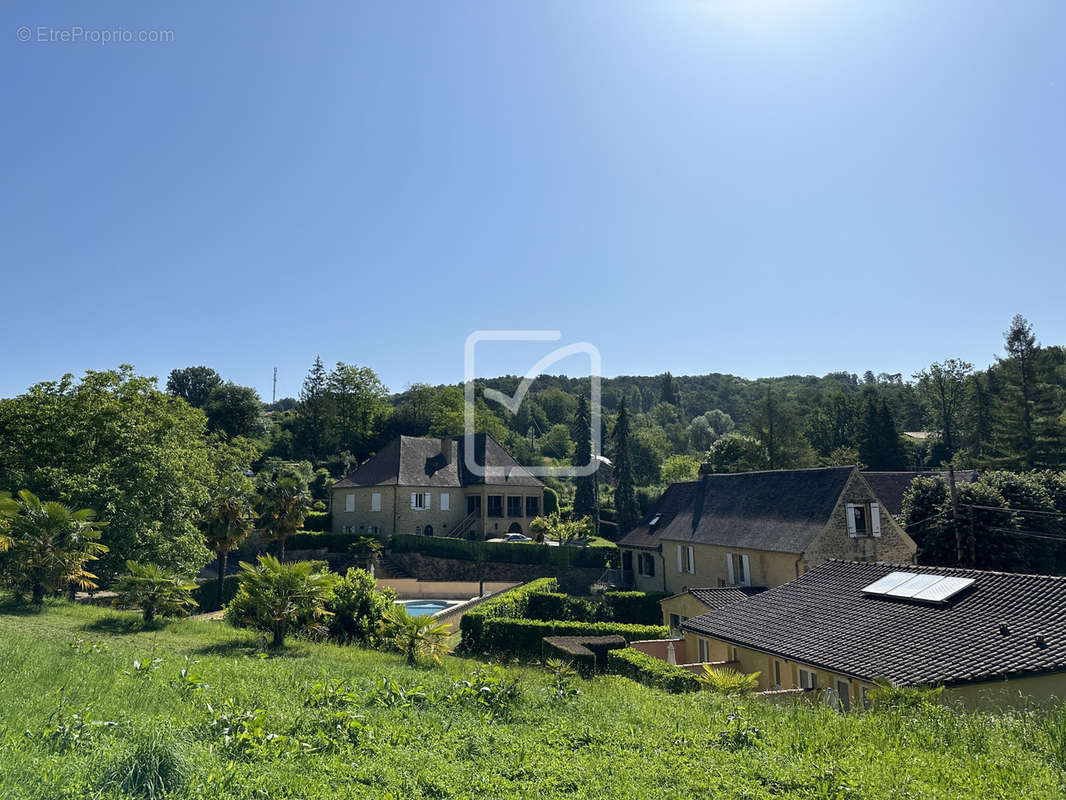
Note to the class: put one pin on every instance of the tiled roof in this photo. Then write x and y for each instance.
(720, 597)
(891, 486)
(419, 461)
(823, 619)
(778, 511)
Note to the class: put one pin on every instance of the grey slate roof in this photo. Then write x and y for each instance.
(720, 597)
(823, 619)
(779, 511)
(419, 461)
(890, 486)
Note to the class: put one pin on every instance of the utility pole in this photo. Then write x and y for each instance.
(274, 392)
(955, 514)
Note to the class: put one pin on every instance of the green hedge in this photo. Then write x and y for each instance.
(333, 542)
(522, 637)
(512, 603)
(650, 671)
(506, 552)
(587, 653)
(206, 594)
(638, 608)
(318, 521)
(558, 606)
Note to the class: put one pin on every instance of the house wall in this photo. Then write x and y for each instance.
(1041, 690)
(684, 605)
(491, 527)
(711, 569)
(396, 514)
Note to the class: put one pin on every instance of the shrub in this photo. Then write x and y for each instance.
(587, 653)
(522, 637)
(728, 681)
(155, 591)
(358, 608)
(555, 605)
(887, 696)
(551, 500)
(318, 521)
(416, 636)
(278, 598)
(206, 593)
(512, 603)
(650, 671)
(153, 765)
(638, 608)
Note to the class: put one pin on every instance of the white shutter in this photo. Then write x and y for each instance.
(729, 567)
(851, 520)
(413, 495)
(375, 501)
(680, 568)
(445, 501)
(691, 561)
(349, 502)
(428, 496)
(747, 571)
(875, 519)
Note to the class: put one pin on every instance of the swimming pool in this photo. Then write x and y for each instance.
(427, 606)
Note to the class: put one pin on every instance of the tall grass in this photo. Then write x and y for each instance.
(215, 715)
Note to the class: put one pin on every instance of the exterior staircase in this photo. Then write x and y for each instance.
(387, 568)
(465, 524)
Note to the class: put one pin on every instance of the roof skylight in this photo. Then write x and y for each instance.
(921, 586)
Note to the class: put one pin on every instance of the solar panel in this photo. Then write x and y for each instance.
(914, 585)
(889, 581)
(944, 589)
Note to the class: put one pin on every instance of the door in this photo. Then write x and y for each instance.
(844, 693)
(473, 503)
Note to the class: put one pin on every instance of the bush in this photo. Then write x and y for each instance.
(206, 594)
(551, 500)
(501, 552)
(512, 603)
(358, 608)
(318, 521)
(587, 653)
(650, 671)
(557, 606)
(637, 608)
(154, 590)
(153, 765)
(522, 637)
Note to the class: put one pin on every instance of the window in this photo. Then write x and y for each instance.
(445, 501)
(686, 561)
(863, 519)
(808, 679)
(420, 501)
(738, 568)
(495, 507)
(375, 501)
(733, 654)
(418, 530)
(675, 621)
(777, 674)
(514, 506)
(532, 506)
(646, 564)
(349, 502)
(704, 650)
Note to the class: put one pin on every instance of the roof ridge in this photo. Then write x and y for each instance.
(969, 570)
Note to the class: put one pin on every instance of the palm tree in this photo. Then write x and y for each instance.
(50, 545)
(155, 591)
(275, 597)
(229, 517)
(284, 505)
(417, 635)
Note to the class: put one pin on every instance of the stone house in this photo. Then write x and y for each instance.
(989, 638)
(758, 529)
(421, 485)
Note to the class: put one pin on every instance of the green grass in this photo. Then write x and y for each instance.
(321, 721)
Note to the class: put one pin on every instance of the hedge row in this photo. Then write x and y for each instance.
(318, 521)
(638, 608)
(522, 637)
(650, 671)
(512, 603)
(557, 606)
(333, 542)
(506, 552)
(588, 654)
(206, 594)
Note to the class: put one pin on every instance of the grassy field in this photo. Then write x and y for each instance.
(96, 707)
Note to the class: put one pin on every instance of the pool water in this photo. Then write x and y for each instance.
(416, 607)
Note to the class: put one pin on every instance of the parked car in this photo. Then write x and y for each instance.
(516, 537)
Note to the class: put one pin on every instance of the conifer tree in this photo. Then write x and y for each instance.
(585, 496)
(625, 501)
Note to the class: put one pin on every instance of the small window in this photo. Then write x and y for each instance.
(418, 500)
(349, 502)
(532, 506)
(654, 521)
(495, 505)
(375, 501)
(704, 650)
(514, 506)
(777, 674)
(418, 530)
(808, 679)
(858, 520)
(733, 654)
(675, 621)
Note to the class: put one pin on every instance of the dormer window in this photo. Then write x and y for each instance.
(864, 519)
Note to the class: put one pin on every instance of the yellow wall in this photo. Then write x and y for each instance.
(711, 569)
(684, 605)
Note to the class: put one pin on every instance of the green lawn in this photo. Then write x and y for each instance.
(315, 722)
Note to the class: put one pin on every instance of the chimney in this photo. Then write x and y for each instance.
(447, 443)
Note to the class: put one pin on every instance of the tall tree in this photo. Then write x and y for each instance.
(284, 500)
(314, 413)
(879, 443)
(229, 516)
(585, 486)
(943, 390)
(193, 384)
(358, 405)
(775, 424)
(833, 423)
(669, 390)
(234, 411)
(625, 499)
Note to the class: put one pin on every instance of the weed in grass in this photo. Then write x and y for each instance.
(487, 689)
(65, 730)
(188, 681)
(152, 765)
(241, 733)
(390, 694)
(740, 732)
(563, 674)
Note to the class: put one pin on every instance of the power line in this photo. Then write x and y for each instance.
(1018, 510)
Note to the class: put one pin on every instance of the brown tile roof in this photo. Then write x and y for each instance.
(419, 461)
(823, 619)
(778, 511)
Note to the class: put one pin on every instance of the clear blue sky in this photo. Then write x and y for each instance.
(759, 187)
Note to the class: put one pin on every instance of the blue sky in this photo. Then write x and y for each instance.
(758, 187)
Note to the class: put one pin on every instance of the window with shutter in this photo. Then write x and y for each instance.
(349, 502)
(375, 501)
(851, 519)
(875, 519)
(729, 568)
(745, 571)
(680, 563)
(445, 501)
(691, 560)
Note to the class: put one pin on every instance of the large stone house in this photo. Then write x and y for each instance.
(758, 529)
(989, 638)
(421, 485)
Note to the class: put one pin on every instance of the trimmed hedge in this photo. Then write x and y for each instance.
(206, 594)
(588, 654)
(650, 671)
(558, 606)
(318, 521)
(512, 603)
(522, 637)
(505, 552)
(333, 542)
(638, 608)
